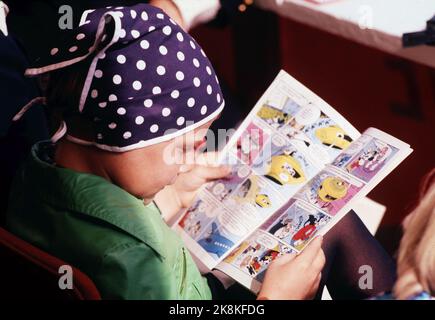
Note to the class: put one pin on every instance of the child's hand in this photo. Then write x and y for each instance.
(181, 194)
(293, 277)
(195, 176)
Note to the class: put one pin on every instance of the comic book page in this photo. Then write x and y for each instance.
(317, 206)
(286, 140)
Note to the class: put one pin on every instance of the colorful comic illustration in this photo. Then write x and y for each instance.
(251, 142)
(222, 188)
(297, 225)
(284, 166)
(329, 191)
(199, 215)
(317, 131)
(214, 241)
(255, 193)
(276, 115)
(325, 133)
(368, 161)
(255, 254)
(228, 228)
(304, 116)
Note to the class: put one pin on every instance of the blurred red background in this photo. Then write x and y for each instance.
(369, 87)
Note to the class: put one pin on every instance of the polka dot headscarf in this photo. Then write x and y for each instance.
(149, 81)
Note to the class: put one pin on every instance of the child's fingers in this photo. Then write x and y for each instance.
(207, 158)
(212, 173)
(311, 251)
(186, 168)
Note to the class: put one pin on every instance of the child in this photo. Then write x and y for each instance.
(131, 90)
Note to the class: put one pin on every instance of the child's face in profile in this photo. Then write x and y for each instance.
(144, 172)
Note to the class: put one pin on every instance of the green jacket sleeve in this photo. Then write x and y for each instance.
(135, 271)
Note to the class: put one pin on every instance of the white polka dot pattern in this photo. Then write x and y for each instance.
(149, 76)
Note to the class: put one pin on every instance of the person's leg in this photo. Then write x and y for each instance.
(349, 246)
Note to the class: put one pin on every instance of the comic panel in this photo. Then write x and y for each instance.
(284, 166)
(227, 228)
(317, 132)
(365, 161)
(215, 241)
(255, 254)
(327, 134)
(223, 188)
(330, 191)
(251, 142)
(278, 112)
(199, 215)
(297, 225)
(255, 195)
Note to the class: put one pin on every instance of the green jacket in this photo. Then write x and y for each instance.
(122, 245)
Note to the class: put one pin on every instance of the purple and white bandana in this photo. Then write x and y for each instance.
(149, 81)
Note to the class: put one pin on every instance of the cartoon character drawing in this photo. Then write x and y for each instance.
(311, 220)
(323, 220)
(379, 159)
(193, 228)
(268, 257)
(190, 215)
(370, 159)
(284, 231)
(300, 221)
(215, 242)
(331, 189)
(263, 200)
(257, 264)
(333, 136)
(245, 262)
(254, 266)
(283, 228)
(311, 225)
(341, 160)
(242, 257)
(223, 194)
(281, 223)
(285, 169)
(306, 231)
(250, 191)
(252, 248)
(249, 145)
(366, 156)
(273, 116)
(190, 223)
(302, 235)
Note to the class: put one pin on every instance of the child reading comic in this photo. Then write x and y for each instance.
(129, 89)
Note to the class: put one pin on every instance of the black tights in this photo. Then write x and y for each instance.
(347, 246)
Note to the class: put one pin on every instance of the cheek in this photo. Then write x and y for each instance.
(165, 174)
(172, 174)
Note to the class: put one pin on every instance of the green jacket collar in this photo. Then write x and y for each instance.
(95, 197)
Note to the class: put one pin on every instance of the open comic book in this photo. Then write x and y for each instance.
(298, 166)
